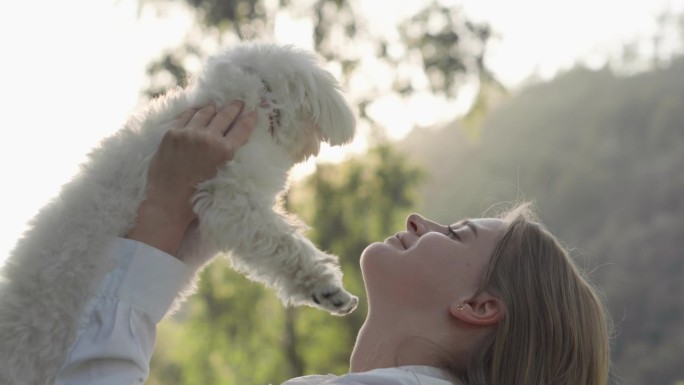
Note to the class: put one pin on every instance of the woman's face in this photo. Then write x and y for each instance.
(429, 265)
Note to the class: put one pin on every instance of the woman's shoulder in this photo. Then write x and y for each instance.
(404, 375)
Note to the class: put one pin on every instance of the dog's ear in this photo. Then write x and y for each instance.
(324, 115)
(329, 110)
(299, 89)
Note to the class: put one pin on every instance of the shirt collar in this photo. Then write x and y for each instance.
(428, 371)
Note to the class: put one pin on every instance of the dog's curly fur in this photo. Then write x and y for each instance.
(47, 279)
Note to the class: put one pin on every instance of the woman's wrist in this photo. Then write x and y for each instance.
(160, 226)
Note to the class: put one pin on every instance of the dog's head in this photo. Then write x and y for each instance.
(304, 102)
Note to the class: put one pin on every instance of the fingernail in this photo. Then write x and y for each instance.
(238, 103)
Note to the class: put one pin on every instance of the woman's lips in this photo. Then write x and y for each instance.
(401, 241)
(395, 241)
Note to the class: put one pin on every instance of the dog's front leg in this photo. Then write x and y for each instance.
(267, 247)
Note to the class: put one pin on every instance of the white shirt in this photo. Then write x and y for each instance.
(403, 375)
(117, 328)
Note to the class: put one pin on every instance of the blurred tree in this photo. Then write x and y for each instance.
(656, 49)
(349, 206)
(230, 332)
(437, 49)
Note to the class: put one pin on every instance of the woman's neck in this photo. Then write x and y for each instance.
(371, 350)
(391, 344)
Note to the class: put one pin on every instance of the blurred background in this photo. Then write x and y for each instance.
(462, 105)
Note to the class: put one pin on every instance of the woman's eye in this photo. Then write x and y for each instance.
(452, 234)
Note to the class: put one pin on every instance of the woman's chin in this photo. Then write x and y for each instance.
(381, 248)
(376, 255)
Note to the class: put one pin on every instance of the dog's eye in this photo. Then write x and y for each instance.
(273, 120)
(269, 104)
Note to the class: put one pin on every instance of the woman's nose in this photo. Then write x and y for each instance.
(416, 224)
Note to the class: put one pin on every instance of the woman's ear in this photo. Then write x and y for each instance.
(482, 310)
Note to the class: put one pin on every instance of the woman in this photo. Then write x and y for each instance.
(482, 301)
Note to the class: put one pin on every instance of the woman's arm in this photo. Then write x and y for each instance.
(117, 328)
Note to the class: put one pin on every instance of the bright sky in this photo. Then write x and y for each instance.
(74, 69)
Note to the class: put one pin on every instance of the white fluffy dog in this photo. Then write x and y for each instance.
(45, 282)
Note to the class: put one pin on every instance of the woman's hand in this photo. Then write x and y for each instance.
(197, 145)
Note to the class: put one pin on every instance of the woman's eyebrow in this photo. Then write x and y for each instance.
(472, 226)
(467, 222)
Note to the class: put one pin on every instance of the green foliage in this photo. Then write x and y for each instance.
(352, 206)
(224, 327)
(236, 332)
(603, 157)
(348, 206)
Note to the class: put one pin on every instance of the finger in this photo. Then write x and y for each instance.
(183, 119)
(225, 117)
(241, 130)
(202, 117)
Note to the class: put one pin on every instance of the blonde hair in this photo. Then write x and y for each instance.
(555, 330)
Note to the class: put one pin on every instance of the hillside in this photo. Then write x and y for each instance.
(603, 158)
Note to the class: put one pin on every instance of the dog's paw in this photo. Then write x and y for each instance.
(333, 298)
